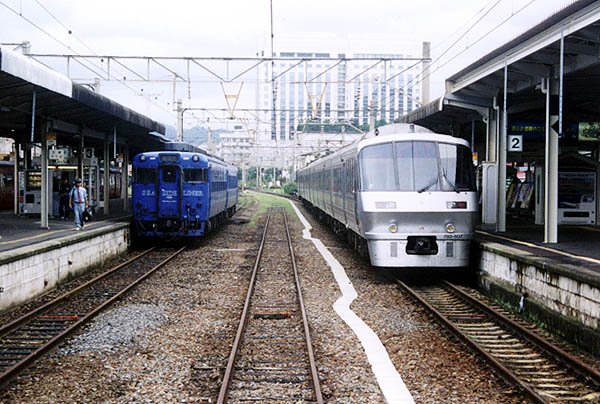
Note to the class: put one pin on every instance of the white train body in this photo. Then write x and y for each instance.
(408, 192)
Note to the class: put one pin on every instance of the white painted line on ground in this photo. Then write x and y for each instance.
(390, 382)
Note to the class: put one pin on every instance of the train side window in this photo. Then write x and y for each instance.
(145, 175)
(194, 175)
(337, 180)
(169, 174)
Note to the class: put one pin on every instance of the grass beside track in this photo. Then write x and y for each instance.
(265, 202)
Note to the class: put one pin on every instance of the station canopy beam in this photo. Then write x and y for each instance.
(560, 55)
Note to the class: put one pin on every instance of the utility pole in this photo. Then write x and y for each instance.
(243, 170)
(371, 117)
(257, 171)
(179, 120)
(426, 65)
(273, 119)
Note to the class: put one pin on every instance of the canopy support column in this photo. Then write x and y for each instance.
(501, 153)
(44, 187)
(551, 167)
(125, 178)
(106, 193)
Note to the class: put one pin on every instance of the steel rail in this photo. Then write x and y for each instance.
(504, 372)
(224, 391)
(569, 360)
(311, 357)
(25, 318)
(21, 365)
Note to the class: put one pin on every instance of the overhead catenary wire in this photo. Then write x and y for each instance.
(395, 89)
(54, 38)
(431, 71)
(448, 37)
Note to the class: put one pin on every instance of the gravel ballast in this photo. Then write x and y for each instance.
(168, 340)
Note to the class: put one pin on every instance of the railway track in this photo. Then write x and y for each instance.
(272, 359)
(543, 372)
(28, 337)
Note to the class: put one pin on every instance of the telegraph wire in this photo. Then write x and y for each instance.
(476, 42)
(412, 81)
(68, 47)
(463, 26)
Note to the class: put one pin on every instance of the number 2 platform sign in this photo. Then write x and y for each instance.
(515, 143)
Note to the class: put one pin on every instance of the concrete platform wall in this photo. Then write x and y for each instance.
(567, 291)
(30, 271)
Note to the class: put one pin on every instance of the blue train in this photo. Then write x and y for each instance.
(181, 193)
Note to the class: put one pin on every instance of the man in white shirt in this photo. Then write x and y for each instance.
(78, 201)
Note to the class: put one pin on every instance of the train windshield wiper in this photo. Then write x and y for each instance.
(428, 186)
(445, 177)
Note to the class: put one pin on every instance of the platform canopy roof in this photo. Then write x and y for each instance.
(530, 57)
(66, 104)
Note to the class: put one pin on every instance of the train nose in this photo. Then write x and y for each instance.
(421, 245)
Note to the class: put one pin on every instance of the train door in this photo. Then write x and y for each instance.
(350, 198)
(344, 188)
(355, 188)
(168, 194)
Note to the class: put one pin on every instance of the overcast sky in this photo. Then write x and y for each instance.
(242, 28)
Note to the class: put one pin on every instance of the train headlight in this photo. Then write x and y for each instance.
(195, 158)
(450, 228)
(393, 227)
(142, 158)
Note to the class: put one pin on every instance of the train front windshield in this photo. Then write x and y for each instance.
(416, 166)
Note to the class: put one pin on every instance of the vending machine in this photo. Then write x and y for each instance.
(30, 195)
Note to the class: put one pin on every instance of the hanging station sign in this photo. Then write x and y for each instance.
(589, 131)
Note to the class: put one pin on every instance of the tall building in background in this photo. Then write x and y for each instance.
(316, 94)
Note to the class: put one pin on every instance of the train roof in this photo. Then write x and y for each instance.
(205, 156)
(390, 133)
(182, 147)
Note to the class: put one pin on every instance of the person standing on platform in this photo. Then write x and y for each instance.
(63, 192)
(78, 201)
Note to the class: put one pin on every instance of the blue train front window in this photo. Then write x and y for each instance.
(169, 174)
(145, 175)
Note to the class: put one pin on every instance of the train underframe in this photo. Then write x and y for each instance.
(177, 227)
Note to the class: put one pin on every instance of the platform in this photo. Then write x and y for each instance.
(578, 245)
(34, 260)
(18, 231)
(558, 284)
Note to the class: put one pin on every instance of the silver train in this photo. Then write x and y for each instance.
(403, 195)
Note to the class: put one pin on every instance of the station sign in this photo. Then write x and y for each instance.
(90, 162)
(589, 131)
(88, 152)
(515, 143)
(50, 139)
(56, 154)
